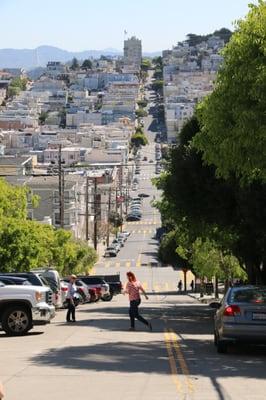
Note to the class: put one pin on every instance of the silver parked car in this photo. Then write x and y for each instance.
(240, 317)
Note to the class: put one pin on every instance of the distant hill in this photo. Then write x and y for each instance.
(32, 58)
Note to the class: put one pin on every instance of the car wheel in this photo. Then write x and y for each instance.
(17, 321)
(108, 297)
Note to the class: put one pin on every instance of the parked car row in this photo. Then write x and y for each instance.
(27, 299)
(158, 156)
(117, 243)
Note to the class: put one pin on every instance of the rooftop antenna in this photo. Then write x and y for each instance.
(125, 33)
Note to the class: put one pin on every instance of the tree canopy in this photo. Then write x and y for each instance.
(232, 117)
(139, 139)
(205, 211)
(87, 64)
(74, 64)
(26, 244)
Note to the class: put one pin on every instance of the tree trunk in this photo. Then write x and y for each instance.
(216, 292)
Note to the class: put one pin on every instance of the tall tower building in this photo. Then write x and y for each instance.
(132, 52)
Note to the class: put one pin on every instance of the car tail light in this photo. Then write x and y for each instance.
(232, 311)
(81, 289)
(64, 289)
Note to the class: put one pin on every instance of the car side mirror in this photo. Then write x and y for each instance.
(216, 305)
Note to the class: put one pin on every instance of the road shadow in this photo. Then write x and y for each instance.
(138, 356)
(151, 357)
(153, 127)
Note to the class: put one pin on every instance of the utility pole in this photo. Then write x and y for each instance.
(95, 214)
(87, 208)
(108, 217)
(61, 188)
(116, 202)
(121, 197)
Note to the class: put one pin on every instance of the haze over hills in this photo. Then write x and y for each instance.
(32, 58)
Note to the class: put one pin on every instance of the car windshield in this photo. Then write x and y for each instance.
(254, 295)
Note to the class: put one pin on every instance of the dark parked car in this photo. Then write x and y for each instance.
(131, 217)
(240, 317)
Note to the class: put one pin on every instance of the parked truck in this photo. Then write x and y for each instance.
(22, 307)
(114, 283)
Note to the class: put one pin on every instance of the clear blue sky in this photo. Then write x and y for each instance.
(97, 24)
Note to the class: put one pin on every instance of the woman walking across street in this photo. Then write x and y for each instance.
(133, 289)
(71, 309)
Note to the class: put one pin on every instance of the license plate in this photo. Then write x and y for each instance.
(261, 316)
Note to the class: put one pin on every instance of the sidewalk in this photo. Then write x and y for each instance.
(206, 299)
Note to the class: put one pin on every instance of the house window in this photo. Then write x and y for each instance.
(67, 220)
(56, 218)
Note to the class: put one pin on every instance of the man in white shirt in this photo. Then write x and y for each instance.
(70, 299)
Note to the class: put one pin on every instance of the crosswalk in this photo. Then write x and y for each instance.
(124, 263)
(160, 287)
(146, 177)
(145, 231)
(145, 222)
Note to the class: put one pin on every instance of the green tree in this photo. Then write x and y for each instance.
(142, 103)
(26, 244)
(87, 64)
(115, 219)
(74, 64)
(232, 117)
(157, 85)
(145, 64)
(139, 139)
(13, 200)
(42, 117)
(140, 113)
(195, 201)
(158, 62)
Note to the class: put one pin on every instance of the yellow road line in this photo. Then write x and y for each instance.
(117, 264)
(172, 362)
(128, 264)
(181, 359)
